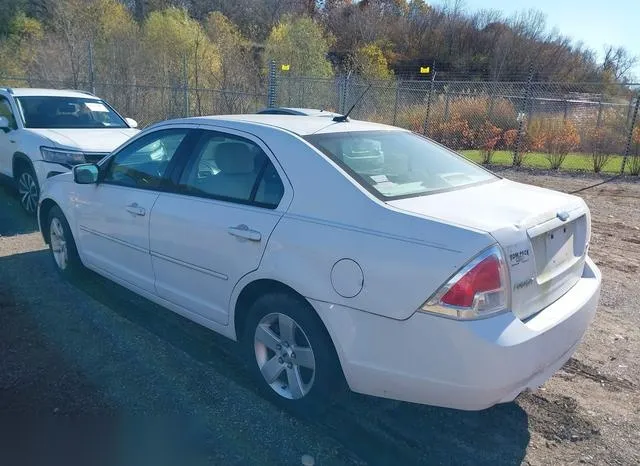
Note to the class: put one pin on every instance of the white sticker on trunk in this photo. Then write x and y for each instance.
(96, 107)
(518, 255)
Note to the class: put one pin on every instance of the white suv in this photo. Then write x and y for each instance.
(44, 132)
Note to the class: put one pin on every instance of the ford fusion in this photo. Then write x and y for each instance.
(337, 251)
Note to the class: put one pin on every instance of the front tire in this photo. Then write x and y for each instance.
(290, 353)
(28, 189)
(62, 246)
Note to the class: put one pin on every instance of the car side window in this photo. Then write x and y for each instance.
(232, 168)
(5, 111)
(143, 163)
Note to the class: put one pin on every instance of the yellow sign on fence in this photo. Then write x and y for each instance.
(285, 67)
(425, 69)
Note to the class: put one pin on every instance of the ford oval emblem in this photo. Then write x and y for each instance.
(562, 215)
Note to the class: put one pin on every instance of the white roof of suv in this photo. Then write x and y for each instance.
(25, 91)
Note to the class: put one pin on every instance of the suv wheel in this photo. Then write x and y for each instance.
(28, 189)
(61, 244)
(290, 353)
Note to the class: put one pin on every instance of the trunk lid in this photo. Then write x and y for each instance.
(544, 234)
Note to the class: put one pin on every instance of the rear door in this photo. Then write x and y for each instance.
(213, 230)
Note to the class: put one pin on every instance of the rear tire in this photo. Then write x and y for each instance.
(62, 246)
(290, 353)
(28, 188)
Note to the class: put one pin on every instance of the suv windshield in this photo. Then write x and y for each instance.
(397, 164)
(68, 112)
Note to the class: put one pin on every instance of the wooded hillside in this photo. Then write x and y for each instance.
(227, 42)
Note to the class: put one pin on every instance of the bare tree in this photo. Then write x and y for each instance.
(618, 62)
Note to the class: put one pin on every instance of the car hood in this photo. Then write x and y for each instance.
(88, 140)
(494, 206)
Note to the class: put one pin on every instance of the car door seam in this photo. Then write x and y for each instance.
(153, 269)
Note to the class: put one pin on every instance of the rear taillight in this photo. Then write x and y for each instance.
(478, 290)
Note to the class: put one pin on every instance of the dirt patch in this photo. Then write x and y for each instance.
(557, 418)
(574, 368)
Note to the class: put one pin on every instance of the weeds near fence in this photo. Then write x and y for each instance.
(634, 161)
(555, 137)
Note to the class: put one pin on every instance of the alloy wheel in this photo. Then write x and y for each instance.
(58, 244)
(284, 356)
(28, 191)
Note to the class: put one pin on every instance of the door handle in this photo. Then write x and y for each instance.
(135, 209)
(243, 231)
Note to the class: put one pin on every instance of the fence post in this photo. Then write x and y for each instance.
(92, 83)
(634, 119)
(599, 118)
(344, 92)
(272, 85)
(395, 107)
(516, 152)
(566, 109)
(425, 125)
(185, 85)
(492, 100)
(446, 103)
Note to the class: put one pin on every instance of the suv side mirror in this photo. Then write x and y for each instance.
(87, 173)
(4, 124)
(131, 122)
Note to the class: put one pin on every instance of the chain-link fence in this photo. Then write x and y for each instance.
(594, 125)
(149, 104)
(589, 126)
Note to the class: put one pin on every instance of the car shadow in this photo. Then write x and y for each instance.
(373, 430)
(13, 220)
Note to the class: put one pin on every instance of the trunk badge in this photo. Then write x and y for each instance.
(563, 215)
(523, 284)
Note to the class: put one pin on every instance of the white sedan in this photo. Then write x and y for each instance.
(337, 251)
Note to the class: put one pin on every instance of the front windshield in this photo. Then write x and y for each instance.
(68, 113)
(396, 164)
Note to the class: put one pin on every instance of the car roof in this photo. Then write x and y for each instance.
(301, 125)
(26, 91)
(297, 111)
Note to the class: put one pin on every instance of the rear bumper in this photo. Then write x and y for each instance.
(465, 365)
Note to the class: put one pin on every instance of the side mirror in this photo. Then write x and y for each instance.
(131, 122)
(4, 124)
(87, 173)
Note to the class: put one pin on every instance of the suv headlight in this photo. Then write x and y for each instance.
(61, 156)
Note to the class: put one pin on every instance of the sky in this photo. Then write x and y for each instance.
(594, 22)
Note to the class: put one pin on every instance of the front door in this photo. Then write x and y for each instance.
(214, 230)
(113, 216)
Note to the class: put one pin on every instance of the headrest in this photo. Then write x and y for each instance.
(234, 158)
(66, 107)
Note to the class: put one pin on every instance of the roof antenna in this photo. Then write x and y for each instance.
(345, 117)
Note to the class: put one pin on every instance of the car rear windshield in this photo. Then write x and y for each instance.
(398, 164)
(68, 113)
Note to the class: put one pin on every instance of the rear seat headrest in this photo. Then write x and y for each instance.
(234, 158)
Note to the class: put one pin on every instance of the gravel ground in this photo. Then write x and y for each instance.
(140, 385)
